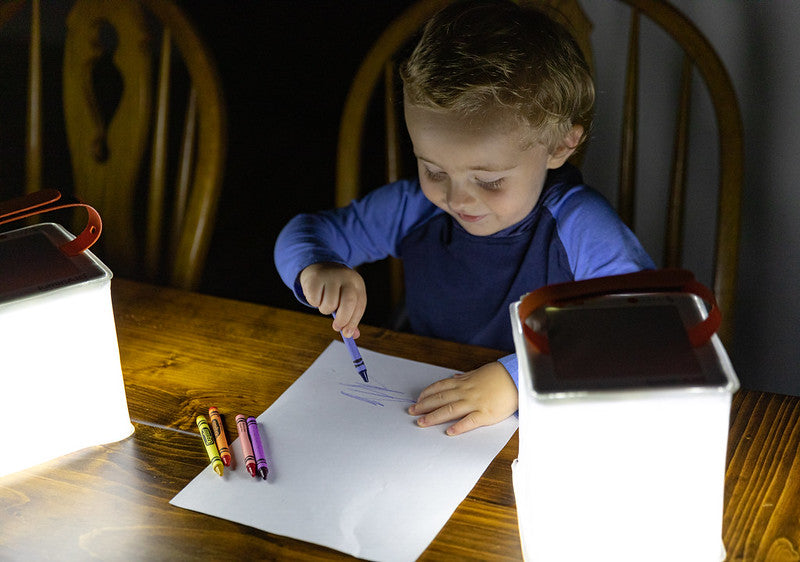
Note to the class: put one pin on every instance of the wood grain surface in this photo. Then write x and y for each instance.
(183, 352)
(762, 480)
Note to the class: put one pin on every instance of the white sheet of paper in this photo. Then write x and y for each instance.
(348, 467)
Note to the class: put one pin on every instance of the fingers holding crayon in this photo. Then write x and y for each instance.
(333, 287)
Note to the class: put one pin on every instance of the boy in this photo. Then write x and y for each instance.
(496, 99)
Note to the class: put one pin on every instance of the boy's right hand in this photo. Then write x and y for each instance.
(333, 287)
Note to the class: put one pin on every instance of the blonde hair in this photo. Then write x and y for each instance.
(480, 58)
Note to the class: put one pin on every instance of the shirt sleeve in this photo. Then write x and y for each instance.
(511, 365)
(595, 239)
(366, 230)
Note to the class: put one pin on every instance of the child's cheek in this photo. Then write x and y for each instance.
(433, 192)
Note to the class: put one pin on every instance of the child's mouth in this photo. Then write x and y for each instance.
(469, 218)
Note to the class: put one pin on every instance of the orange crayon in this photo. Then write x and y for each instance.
(208, 441)
(219, 435)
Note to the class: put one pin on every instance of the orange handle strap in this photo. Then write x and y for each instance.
(652, 281)
(48, 200)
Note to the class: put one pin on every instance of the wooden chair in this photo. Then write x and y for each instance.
(377, 76)
(142, 103)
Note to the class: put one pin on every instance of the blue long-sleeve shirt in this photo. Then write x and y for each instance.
(458, 285)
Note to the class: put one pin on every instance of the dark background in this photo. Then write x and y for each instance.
(286, 67)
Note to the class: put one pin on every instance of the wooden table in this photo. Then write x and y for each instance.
(182, 352)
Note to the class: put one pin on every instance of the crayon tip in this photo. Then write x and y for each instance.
(252, 470)
(263, 471)
(364, 375)
(218, 469)
(226, 460)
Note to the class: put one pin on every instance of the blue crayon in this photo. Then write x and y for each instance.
(258, 448)
(358, 362)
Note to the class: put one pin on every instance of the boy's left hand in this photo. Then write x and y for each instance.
(481, 397)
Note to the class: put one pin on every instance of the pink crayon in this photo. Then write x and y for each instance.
(244, 441)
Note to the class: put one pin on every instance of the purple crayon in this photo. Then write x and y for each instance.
(355, 355)
(258, 448)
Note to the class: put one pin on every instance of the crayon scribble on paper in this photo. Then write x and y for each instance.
(374, 394)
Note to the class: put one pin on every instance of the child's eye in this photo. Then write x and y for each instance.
(490, 185)
(434, 176)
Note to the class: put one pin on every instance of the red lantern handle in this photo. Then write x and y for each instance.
(48, 200)
(651, 281)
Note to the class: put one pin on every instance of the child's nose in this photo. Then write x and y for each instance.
(458, 196)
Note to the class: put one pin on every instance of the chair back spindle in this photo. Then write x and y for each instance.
(33, 141)
(677, 184)
(630, 111)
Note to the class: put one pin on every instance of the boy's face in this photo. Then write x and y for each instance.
(479, 174)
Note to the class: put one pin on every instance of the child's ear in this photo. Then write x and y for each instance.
(569, 145)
